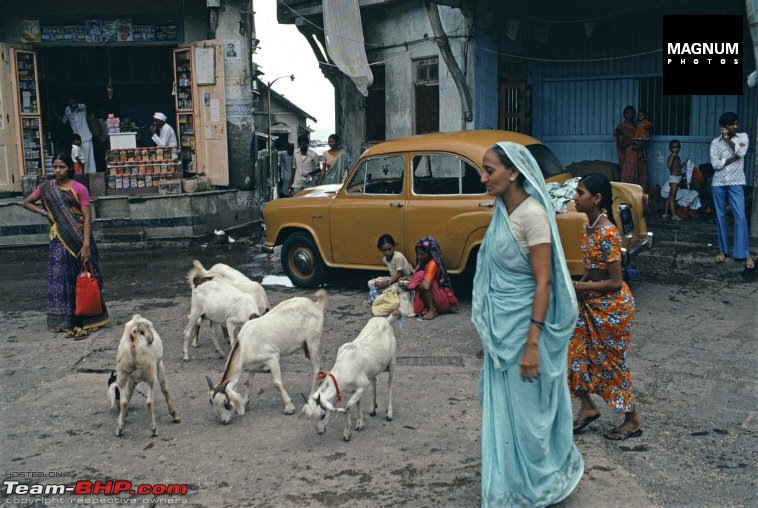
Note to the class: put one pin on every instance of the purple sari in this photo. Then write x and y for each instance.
(63, 264)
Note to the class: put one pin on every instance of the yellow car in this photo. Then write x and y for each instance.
(426, 185)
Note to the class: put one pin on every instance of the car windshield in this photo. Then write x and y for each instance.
(548, 162)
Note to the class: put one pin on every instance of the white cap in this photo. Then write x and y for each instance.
(160, 116)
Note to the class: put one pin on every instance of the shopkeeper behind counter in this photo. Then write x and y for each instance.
(162, 133)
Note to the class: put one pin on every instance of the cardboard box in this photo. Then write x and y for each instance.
(170, 186)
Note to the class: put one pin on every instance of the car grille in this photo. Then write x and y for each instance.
(627, 221)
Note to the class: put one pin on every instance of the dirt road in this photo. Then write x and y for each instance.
(692, 359)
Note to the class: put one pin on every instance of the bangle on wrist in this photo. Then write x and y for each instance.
(538, 324)
(43, 212)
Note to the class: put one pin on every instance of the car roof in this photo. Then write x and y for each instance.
(471, 144)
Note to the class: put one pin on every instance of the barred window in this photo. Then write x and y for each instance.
(670, 114)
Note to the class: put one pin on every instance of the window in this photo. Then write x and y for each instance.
(437, 174)
(375, 107)
(670, 114)
(381, 175)
(427, 96)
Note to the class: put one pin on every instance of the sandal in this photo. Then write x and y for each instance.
(625, 434)
(579, 425)
(56, 330)
(78, 333)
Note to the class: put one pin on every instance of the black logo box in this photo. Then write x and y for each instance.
(703, 55)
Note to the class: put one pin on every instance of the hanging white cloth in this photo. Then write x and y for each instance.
(344, 41)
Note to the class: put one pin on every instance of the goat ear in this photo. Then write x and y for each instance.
(237, 404)
(210, 383)
(147, 331)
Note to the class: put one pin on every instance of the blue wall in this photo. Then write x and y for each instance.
(580, 86)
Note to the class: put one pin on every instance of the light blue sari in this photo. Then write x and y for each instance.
(528, 453)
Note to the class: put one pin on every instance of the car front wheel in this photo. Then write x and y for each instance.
(302, 262)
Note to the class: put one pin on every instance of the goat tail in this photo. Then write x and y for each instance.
(321, 296)
(196, 272)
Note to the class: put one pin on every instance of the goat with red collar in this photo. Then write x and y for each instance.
(357, 365)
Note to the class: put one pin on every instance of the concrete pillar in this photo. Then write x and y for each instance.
(235, 26)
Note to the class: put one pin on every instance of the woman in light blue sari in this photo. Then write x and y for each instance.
(525, 310)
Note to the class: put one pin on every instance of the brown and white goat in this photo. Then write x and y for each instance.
(293, 324)
(140, 359)
(356, 367)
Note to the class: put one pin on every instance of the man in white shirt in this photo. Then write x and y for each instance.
(305, 164)
(75, 116)
(162, 133)
(728, 160)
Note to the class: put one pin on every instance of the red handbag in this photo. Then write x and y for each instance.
(88, 301)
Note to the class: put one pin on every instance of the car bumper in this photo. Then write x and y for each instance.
(628, 254)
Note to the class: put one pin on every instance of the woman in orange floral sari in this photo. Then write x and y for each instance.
(597, 351)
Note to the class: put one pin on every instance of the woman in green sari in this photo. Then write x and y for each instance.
(336, 162)
(525, 310)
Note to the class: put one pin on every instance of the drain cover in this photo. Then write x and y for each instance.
(431, 361)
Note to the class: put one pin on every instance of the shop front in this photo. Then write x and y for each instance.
(121, 69)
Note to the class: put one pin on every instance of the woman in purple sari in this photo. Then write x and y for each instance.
(66, 206)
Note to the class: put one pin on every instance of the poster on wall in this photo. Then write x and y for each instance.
(143, 32)
(30, 31)
(124, 30)
(231, 50)
(110, 33)
(93, 30)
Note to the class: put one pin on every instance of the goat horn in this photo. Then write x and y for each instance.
(305, 399)
(210, 383)
(222, 387)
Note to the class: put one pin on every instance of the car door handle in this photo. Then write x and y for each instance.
(397, 204)
(488, 204)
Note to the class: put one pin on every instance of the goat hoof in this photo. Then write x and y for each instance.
(119, 431)
(388, 418)
(186, 358)
(346, 438)
(289, 411)
(155, 432)
(177, 419)
(372, 413)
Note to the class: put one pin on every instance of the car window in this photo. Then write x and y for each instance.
(436, 174)
(380, 175)
(548, 162)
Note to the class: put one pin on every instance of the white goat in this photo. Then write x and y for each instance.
(294, 323)
(357, 365)
(220, 272)
(140, 359)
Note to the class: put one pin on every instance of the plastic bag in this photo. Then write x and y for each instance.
(386, 303)
(88, 301)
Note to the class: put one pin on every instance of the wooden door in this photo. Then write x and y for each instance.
(210, 111)
(10, 175)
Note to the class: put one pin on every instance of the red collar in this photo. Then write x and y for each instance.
(322, 375)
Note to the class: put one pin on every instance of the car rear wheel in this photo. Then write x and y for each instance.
(302, 262)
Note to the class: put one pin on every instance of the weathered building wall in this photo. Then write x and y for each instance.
(405, 35)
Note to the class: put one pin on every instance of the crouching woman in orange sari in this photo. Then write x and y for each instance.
(597, 351)
(434, 292)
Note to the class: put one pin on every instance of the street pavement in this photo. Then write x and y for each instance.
(692, 359)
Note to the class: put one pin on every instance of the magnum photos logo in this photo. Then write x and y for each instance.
(702, 55)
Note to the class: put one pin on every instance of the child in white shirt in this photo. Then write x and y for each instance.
(77, 154)
(396, 263)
